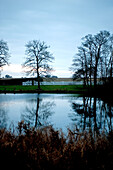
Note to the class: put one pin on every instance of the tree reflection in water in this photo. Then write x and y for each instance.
(3, 118)
(37, 112)
(92, 113)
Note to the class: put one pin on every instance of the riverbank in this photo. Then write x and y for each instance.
(44, 89)
(49, 149)
(100, 91)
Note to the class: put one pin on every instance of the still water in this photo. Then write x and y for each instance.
(62, 111)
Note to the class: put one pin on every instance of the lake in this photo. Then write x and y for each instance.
(62, 111)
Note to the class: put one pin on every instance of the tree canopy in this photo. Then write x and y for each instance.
(4, 54)
(38, 59)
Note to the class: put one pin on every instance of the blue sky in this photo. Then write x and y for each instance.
(60, 23)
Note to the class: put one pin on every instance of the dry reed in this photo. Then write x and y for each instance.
(46, 148)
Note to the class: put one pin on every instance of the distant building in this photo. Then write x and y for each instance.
(16, 81)
(54, 81)
(33, 81)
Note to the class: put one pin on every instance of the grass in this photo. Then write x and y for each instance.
(17, 88)
(46, 148)
(44, 88)
(62, 87)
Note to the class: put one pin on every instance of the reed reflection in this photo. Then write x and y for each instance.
(37, 112)
(92, 113)
(3, 118)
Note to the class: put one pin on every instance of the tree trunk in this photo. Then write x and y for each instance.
(90, 74)
(38, 78)
(86, 68)
(38, 75)
(111, 70)
(84, 81)
(84, 104)
(37, 109)
(94, 109)
(96, 65)
(95, 77)
(97, 57)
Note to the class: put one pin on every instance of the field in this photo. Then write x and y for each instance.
(44, 88)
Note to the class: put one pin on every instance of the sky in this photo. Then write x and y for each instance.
(60, 23)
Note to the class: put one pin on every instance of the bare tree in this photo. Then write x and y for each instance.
(37, 59)
(94, 56)
(80, 65)
(89, 47)
(4, 54)
(100, 42)
(110, 63)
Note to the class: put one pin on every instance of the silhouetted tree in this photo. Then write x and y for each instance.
(37, 59)
(88, 45)
(79, 65)
(94, 57)
(4, 54)
(110, 62)
(100, 43)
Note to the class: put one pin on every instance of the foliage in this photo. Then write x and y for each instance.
(46, 148)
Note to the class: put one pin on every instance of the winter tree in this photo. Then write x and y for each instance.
(38, 59)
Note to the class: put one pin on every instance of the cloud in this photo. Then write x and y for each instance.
(62, 73)
(15, 70)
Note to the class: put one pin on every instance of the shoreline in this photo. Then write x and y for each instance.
(44, 89)
(41, 91)
(59, 89)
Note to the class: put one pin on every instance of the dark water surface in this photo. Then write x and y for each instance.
(62, 111)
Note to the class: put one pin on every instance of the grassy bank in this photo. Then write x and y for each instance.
(49, 149)
(44, 88)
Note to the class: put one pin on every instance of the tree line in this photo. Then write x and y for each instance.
(94, 58)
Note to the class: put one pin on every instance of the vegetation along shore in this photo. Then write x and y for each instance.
(27, 148)
(99, 91)
(43, 89)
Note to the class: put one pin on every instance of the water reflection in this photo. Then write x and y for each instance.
(3, 118)
(92, 113)
(37, 112)
(60, 110)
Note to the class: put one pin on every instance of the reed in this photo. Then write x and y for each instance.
(46, 148)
